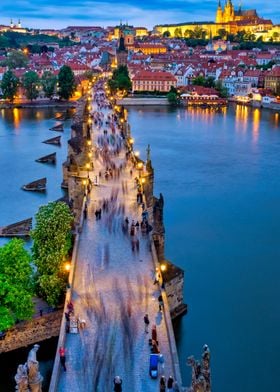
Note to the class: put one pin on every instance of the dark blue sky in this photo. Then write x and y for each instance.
(61, 13)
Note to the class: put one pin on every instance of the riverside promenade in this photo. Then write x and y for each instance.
(113, 285)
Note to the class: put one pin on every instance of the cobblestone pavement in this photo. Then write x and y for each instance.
(112, 290)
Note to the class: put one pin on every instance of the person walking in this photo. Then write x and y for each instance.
(85, 211)
(62, 357)
(117, 384)
(146, 322)
(170, 382)
(162, 384)
(160, 302)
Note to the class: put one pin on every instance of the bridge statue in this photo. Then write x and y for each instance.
(201, 376)
(148, 153)
(28, 377)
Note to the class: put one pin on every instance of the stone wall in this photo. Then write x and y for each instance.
(33, 331)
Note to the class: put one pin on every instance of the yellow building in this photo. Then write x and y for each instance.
(141, 31)
(150, 48)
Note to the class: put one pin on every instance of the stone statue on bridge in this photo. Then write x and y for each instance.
(201, 380)
(28, 377)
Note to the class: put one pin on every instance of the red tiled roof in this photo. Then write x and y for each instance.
(155, 76)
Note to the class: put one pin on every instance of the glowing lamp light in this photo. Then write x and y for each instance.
(163, 267)
(67, 267)
(131, 140)
(89, 142)
(140, 165)
(88, 166)
(143, 180)
(90, 154)
(84, 182)
(137, 153)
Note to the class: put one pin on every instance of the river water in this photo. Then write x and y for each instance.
(219, 174)
(21, 134)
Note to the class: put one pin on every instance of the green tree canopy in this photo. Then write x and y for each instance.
(173, 96)
(66, 82)
(9, 85)
(178, 32)
(222, 33)
(221, 89)
(16, 288)
(48, 82)
(198, 81)
(31, 84)
(166, 34)
(16, 59)
(51, 245)
(120, 79)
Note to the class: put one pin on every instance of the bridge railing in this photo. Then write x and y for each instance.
(62, 335)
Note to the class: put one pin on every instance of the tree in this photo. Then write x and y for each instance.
(221, 89)
(173, 96)
(120, 79)
(9, 85)
(31, 82)
(51, 245)
(178, 32)
(275, 36)
(166, 34)
(16, 284)
(209, 82)
(16, 59)
(222, 33)
(198, 81)
(48, 82)
(66, 82)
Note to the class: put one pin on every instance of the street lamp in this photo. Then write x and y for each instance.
(67, 266)
(88, 167)
(140, 167)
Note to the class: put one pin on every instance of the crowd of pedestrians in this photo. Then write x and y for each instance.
(115, 161)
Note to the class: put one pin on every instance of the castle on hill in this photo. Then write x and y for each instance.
(228, 18)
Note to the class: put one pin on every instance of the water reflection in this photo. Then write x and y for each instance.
(256, 124)
(241, 118)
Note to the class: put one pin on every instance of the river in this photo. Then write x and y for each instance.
(219, 174)
(21, 134)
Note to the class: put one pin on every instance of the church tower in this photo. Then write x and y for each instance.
(229, 12)
(121, 51)
(219, 13)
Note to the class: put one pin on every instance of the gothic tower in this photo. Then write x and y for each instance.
(219, 13)
(228, 12)
(122, 52)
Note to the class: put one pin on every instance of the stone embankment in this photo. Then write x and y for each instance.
(147, 101)
(33, 331)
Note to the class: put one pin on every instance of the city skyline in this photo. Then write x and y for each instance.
(54, 14)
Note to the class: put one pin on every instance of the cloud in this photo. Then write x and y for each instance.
(58, 14)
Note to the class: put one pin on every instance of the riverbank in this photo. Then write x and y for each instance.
(39, 104)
